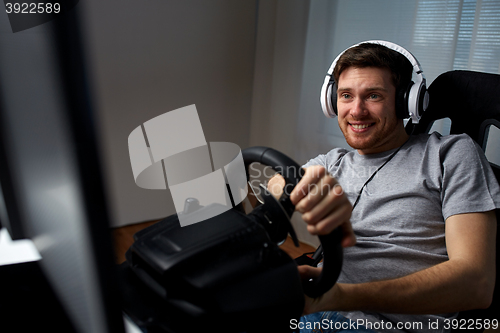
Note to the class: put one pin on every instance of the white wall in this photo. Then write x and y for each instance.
(150, 57)
(281, 42)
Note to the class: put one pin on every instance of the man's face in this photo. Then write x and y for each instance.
(367, 111)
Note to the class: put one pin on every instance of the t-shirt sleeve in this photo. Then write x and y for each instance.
(329, 160)
(318, 160)
(468, 182)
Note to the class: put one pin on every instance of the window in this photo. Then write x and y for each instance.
(457, 35)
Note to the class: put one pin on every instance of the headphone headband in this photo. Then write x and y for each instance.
(417, 98)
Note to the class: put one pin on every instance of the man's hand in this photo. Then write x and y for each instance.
(313, 305)
(323, 204)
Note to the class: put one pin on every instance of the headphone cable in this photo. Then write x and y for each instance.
(376, 171)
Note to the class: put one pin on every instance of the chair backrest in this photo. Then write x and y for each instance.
(471, 100)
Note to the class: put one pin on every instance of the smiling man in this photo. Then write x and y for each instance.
(366, 110)
(417, 211)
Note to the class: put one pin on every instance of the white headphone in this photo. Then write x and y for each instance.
(416, 97)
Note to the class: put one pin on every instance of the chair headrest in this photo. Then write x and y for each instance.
(468, 98)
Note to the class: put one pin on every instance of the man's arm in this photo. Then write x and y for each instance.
(465, 281)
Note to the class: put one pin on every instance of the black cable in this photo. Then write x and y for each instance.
(373, 175)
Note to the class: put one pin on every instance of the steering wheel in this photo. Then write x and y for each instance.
(292, 173)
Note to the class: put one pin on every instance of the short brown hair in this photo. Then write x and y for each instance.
(376, 55)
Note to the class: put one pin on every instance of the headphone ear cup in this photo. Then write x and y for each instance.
(402, 102)
(328, 92)
(423, 100)
(333, 98)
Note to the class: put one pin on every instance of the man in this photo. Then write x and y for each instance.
(421, 245)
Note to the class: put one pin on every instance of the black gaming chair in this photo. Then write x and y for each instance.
(472, 101)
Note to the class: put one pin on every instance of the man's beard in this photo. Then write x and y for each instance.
(373, 140)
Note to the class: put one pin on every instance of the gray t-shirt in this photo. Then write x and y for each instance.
(399, 220)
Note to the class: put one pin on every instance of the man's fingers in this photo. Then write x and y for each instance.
(329, 203)
(326, 188)
(275, 185)
(335, 218)
(324, 204)
(312, 175)
(308, 272)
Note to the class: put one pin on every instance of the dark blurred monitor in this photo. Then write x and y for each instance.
(52, 191)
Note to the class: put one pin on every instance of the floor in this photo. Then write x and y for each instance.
(123, 239)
